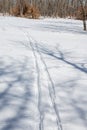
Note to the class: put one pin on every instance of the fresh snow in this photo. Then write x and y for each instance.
(43, 74)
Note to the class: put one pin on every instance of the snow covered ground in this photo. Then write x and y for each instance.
(43, 74)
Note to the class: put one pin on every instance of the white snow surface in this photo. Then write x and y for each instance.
(43, 74)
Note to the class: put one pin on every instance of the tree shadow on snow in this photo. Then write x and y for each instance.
(60, 55)
(16, 82)
(69, 26)
(57, 26)
(69, 101)
(74, 105)
(63, 28)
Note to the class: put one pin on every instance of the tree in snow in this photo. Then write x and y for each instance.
(83, 4)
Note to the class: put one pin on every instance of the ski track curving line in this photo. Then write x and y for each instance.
(41, 126)
(35, 48)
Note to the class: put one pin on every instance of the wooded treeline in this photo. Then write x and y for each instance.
(53, 8)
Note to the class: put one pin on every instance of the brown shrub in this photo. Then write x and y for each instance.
(33, 12)
(15, 11)
(28, 11)
(80, 13)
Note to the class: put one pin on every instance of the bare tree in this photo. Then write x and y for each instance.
(83, 9)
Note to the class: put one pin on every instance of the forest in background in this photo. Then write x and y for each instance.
(48, 8)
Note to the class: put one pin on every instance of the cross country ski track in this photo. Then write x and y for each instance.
(36, 52)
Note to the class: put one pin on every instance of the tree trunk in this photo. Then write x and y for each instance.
(84, 25)
(83, 14)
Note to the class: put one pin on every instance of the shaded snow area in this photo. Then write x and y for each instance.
(43, 74)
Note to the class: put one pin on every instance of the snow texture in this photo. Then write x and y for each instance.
(43, 74)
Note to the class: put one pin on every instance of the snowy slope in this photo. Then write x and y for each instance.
(43, 74)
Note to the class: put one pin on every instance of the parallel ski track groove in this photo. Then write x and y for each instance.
(34, 45)
(41, 127)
